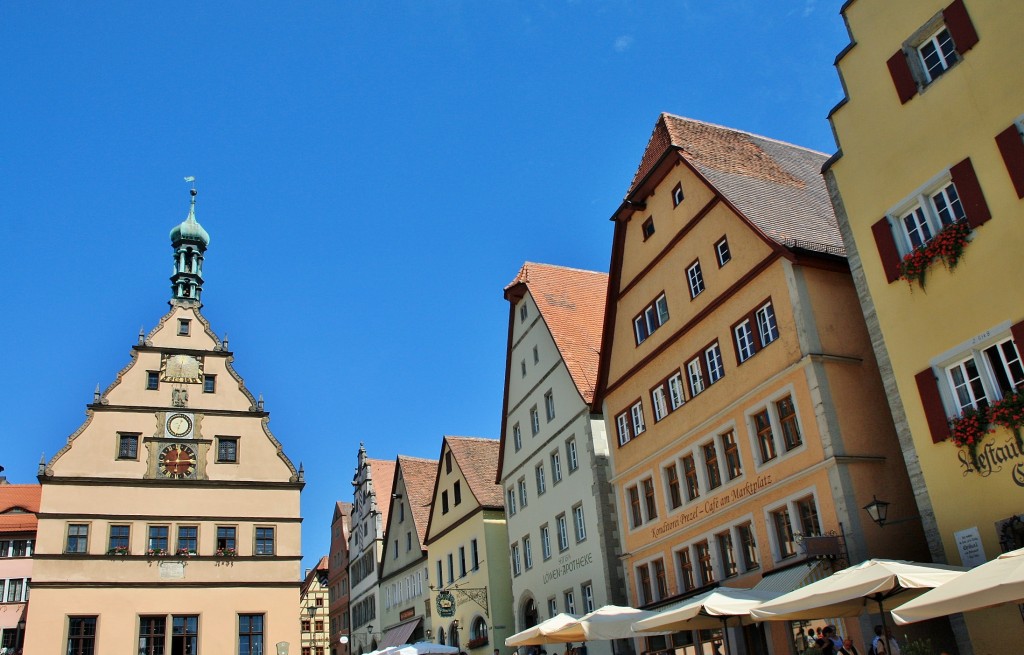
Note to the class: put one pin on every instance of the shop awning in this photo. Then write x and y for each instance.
(399, 634)
(792, 578)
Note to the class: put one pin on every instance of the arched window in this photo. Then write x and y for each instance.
(478, 633)
(440, 635)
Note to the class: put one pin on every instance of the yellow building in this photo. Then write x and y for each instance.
(467, 548)
(746, 416)
(169, 521)
(931, 161)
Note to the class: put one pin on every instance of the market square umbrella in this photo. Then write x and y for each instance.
(424, 648)
(541, 633)
(993, 583)
(708, 611)
(605, 623)
(849, 592)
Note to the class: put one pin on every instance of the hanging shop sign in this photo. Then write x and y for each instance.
(445, 604)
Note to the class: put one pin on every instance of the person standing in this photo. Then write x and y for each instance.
(848, 648)
(879, 646)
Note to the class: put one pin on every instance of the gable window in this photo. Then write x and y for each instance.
(539, 474)
(444, 502)
(937, 46)
(152, 380)
(622, 428)
(457, 492)
(209, 383)
(522, 368)
(448, 462)
(695, 279)
(536, 355)
(650, 319)
(713, 359)
(677, 194)
(128, 446)
(932, 211)
(675, 497)
(711, 465)
(523, 312)
(722, 253)
(556, 467)
(227, 450)
(534, 420)
(517, 437)
(571, 456)
(549, 405)
(184, 327)
(648, 228)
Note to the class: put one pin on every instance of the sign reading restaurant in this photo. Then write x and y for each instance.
(712, 505)
(991, 457)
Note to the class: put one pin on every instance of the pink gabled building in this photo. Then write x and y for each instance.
(19, 504)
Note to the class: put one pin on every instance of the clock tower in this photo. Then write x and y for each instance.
(169, 519)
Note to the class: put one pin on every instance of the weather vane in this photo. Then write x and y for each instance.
(192, 179)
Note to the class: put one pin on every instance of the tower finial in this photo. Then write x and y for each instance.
(190, 241)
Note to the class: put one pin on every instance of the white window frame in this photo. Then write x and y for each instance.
(946, 58)
(677, 396)
(516, 566)
(652, 317)
(579, 522)
(713, 359)
(556, 467)
(510, 501)
(517, 437)
(534, 420)
(570, 601)
(695, 279)
(744, 336)
(562, 532)
(542, 485)
(973, 353)
(695, 376)
(549, 405)
(545, 542)
(522, 491)
(636, 413)
(527, 553)
(919, 217)
(587, 591)
(767, 326)
(659, 403)
(622, 428)
(571, 455)
(722, 252)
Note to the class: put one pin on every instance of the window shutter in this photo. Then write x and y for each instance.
(1011, 147)
(899, 68)
(960, 26)
(969, 190)
(1017, 331)
(887, 251)
(928, 387)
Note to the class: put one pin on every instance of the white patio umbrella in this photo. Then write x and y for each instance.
(993, 583)
(605, 623)
(424, 648)
(851, 591)
(708, 610)
(541, 633)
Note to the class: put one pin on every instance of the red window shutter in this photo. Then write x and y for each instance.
(899, 68)
(887, 249)
(958, 21)
(1011, 146)
(1017, 331)
(928, 387)
(969, 190)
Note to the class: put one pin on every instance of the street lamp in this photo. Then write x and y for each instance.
(878, 510)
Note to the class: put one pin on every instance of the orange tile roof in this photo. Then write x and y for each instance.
(419, 477)
(382, 473)
(571, 301)
(19, 504)
(777, 186)
(478, 460)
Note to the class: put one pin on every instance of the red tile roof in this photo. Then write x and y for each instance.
(571, 301)
(477, 458)
(19, 504)
(777, 186)
(419, 475)
(382, 473)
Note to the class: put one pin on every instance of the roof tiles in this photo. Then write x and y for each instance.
(418, 475)
(19, 504)
(478, 460)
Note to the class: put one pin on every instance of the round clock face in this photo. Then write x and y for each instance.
(179, 425)
(177, 461)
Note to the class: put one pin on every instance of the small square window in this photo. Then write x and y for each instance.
(722, 252)
(128, 446)
(677, 195)
(152, 380)
(227, 450)
(184, 327)
(648, 228)
(209, 383)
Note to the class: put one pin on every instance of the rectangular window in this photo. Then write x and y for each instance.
(545, 542)
(707, 571)
(250, 634)
(474, 554)
(522, 492)
(675, 496)
(643, 581)
(711, 465)
(732, 455)
(659, 402)
(933, 211)
(522, 368)
(650, 504)
(808, 511)
(81, 635)
(783, 533)
(713, 359)
(152, 635)
(744, 341)
(536, 355)
(549, 405)
(636, 412)
(636, 516)
(184, 634)
(765, 438)
(660, 581)
(563, 532)
(579, 523)
(527, 553)
(128, 446)
(534, 420)
(588, 597)
(517, 437)
(209, 383)
(444, 501)
(523, 312)
(184, 327)
(264, 541)
(767, 328)
(748, 547)
(722, 252)
(440, 574)
(622, 428)
(539, 474)
(510, 501)
(158, 537)
(516, 566)
(726, 554)
(787, 423)
(552, 607)
(14, 589)
(571, 457)
(225, 539)
(227, 450)
(648, 228)
(690, 475)
(118, 541)
(695, 279)
(188, 539)
(686, 579)
(677, 194)
(675, 391)
(650, 319)
(457, 492)
(937, 53)
(451, 568)
(570, 602)
(152, 380)
(696, 375)
(556, 467)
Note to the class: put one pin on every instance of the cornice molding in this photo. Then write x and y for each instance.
(142, 482)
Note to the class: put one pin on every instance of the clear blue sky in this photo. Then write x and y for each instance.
(372, 174)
